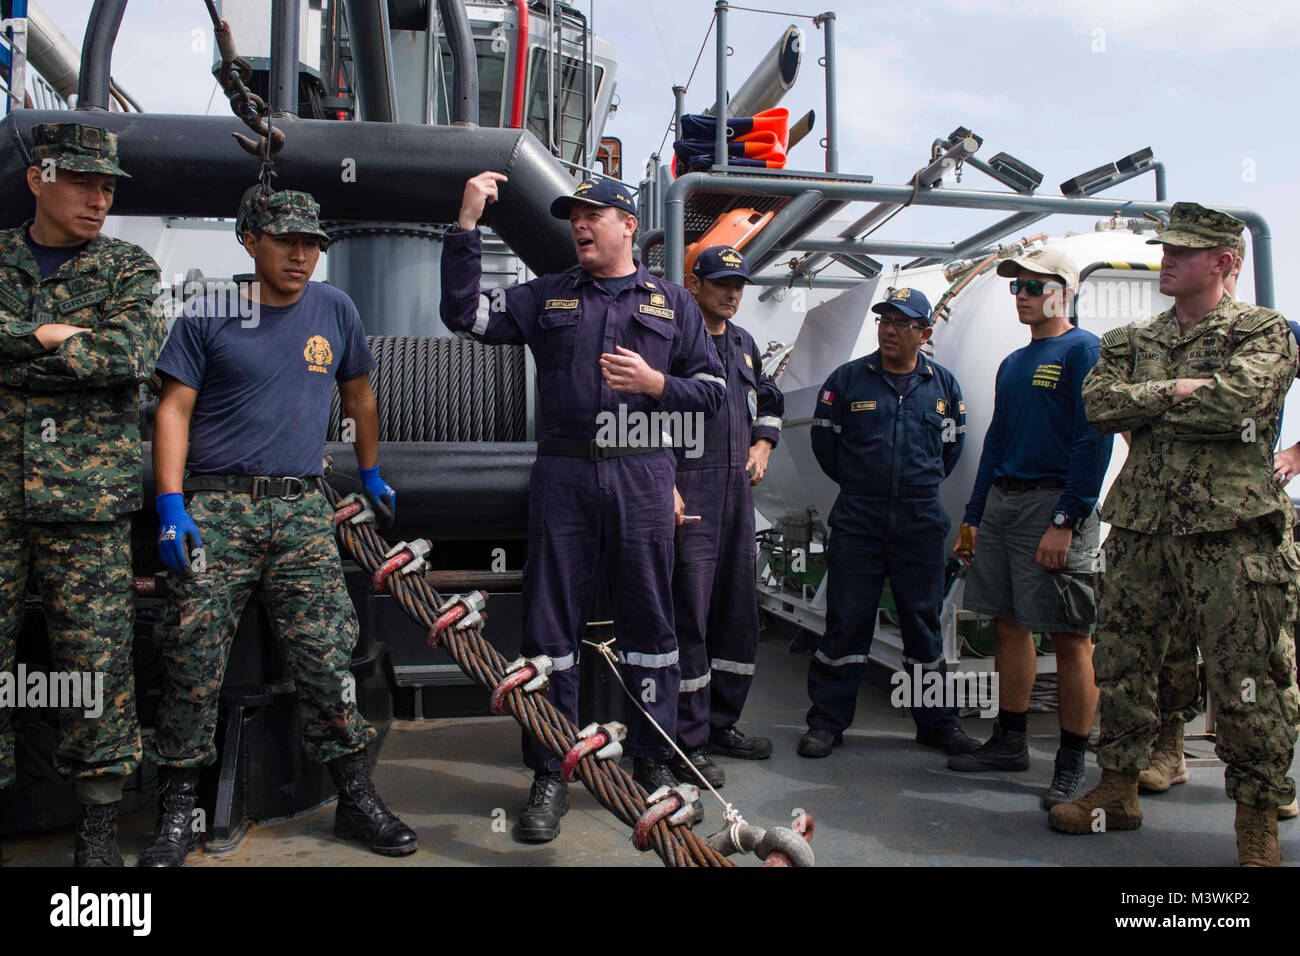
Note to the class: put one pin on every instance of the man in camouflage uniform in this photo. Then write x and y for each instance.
(78, 334)
(1198, 526)
(1180, 695)
(245, 403)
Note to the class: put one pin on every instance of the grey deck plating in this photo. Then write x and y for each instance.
(880, 799)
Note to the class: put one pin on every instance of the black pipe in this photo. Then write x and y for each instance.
(464, 63)
(284, 56)
(449, 491)
(97, 54)
(189, 166)
(368, 35)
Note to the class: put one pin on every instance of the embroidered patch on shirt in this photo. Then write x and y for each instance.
(656, 298)
(827, 397)
(863, 406)
(660, 313)
(560, 304)
(749, 360)
(1047, 376)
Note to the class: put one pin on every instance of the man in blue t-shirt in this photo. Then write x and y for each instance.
(1033, 527)
(239, 438)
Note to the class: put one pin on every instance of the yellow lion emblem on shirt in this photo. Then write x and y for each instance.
(318, 354)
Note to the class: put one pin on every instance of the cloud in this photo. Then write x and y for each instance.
(1202, 27)
(898, 104)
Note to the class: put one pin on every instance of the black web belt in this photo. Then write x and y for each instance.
(1028, 484)
(289, 487)
(590, 450)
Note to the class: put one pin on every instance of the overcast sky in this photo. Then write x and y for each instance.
(1063, 86)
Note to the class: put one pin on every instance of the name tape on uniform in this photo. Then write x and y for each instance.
(660, 313)
(863, 406)
(560, 304)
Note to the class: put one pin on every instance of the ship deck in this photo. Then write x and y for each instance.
(880, 799)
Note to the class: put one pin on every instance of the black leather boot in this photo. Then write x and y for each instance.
(175, 836)
(97, 835)
(697, 761)
(547, 802)
(653, 773)
(361, 815)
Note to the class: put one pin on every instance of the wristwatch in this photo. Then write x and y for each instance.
(1062, 520)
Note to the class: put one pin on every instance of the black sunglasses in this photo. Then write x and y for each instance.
(1034, 287)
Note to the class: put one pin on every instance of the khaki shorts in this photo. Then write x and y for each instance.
(1005, 581)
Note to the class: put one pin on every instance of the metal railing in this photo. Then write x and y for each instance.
(849, 191)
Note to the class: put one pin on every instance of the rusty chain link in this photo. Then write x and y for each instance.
(233, 77)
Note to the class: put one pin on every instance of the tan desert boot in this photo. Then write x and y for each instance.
(1168, 763)
(1290, 811)
(1257, 836)
(1112, 805)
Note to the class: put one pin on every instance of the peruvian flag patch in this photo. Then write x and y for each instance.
(828, 396)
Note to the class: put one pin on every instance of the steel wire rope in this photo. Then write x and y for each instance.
(612, 786)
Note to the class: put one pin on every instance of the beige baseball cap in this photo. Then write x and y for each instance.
(1048, 262)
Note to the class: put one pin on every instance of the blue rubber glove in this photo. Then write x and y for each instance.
(380, 494)
(178, 535)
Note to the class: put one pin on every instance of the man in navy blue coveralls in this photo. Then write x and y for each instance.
(713, 579)
(610, 342)
(888, 428)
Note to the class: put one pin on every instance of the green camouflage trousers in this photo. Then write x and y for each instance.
(81, 570)
(1179, 694)
(287, 549)
(1232, 592)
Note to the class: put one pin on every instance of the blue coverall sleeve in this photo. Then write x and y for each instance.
(509, 315)
(952, 449)
(771, 405)
(827, 425)
(1090, 451)
(695, 379)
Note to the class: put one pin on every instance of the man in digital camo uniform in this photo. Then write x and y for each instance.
(78, 334)
(1199, 529)
(244, 404)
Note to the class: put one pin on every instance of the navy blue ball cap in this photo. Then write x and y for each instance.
(908, 301)
(596, 191)
(720, 262)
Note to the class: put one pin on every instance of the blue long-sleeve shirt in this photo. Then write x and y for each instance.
(1039, 427)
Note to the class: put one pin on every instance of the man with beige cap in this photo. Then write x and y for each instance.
(1033, 523)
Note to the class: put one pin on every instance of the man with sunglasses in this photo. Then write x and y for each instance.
(888, 428)
(1199, 531)
(1034, 531)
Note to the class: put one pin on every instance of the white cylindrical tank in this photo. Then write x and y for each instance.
(982, 330)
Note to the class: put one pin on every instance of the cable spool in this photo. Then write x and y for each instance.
(443, 390)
